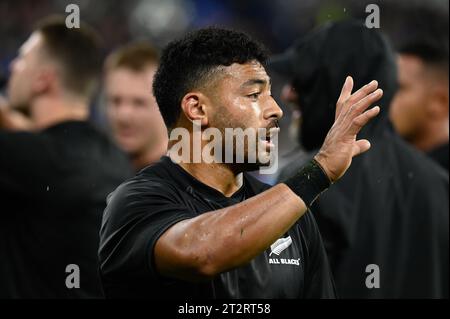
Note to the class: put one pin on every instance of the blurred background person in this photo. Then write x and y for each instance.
(391, 209)
(54, 179)
(134, 117)
(420, 109)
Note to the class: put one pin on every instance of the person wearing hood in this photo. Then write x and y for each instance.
(385, 225)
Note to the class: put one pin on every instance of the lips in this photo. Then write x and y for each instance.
(271, 133)
(126, 131)
(268, 139)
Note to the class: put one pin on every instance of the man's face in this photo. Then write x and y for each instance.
(408, 110)
(133, 113)
(241, 98)
(25, 70)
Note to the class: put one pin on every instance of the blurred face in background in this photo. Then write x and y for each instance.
(27, 73)
(133, 113)
(420, 100)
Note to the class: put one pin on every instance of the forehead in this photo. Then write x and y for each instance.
(126, 81)
(238, 74)
(123, 72)
(32, 44)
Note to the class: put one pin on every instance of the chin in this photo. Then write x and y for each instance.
(127, 148)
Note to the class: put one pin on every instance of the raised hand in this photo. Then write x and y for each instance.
(341, 145)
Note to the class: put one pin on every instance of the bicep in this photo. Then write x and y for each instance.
(130, 232)
(173, 251)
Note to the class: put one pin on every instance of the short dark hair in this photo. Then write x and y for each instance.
(135, 56)
(186, 64)
(426, 35)
(77, 50)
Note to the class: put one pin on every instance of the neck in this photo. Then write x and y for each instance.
(219, 176)
(48, 111)
(434, 137)
(150, 155)
(224, 177)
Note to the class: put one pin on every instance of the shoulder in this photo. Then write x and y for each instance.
(151, 186)
(23, 153)
(19, 139)
(142, 188)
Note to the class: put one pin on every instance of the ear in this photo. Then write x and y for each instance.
(44, 81)
(194, 105)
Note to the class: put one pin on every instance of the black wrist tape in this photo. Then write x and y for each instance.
(309, 182)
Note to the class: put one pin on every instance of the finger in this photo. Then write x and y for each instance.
(346, 92)
(361, 146)
(362, 119)
(356, 109)
(363, 92)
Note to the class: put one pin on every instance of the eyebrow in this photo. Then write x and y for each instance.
(256, 81)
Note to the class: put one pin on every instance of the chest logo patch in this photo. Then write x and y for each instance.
(277, 248)
(280, 245)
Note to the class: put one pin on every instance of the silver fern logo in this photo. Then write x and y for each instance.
(280, 245)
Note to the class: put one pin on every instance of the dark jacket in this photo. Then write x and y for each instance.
(391, 207)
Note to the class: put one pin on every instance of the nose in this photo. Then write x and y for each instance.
(289, 94)
(273, 111)
(121, 110)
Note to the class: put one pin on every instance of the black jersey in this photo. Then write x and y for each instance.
(139, 212)
(53, 186)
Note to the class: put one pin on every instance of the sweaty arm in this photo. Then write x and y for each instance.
(202, 247)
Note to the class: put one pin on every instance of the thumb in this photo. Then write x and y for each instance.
(360, 147)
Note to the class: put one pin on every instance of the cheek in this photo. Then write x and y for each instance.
(407, 103)
(17, 75)
(415, 104)
(256, 110)
(235, 112)
(144, 120)
(248, 113)
(19, 67)
(110, 112)
(408, 112)
(114, 116)
(145, 115)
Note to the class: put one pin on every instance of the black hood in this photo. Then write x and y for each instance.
(318, 65)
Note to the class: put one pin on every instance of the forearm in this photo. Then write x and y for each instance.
(221, 240)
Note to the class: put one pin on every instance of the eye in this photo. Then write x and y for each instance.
(254, 96)
(137, 102)
(115, 100)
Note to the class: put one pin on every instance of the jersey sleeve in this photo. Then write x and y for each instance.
(137, 214)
